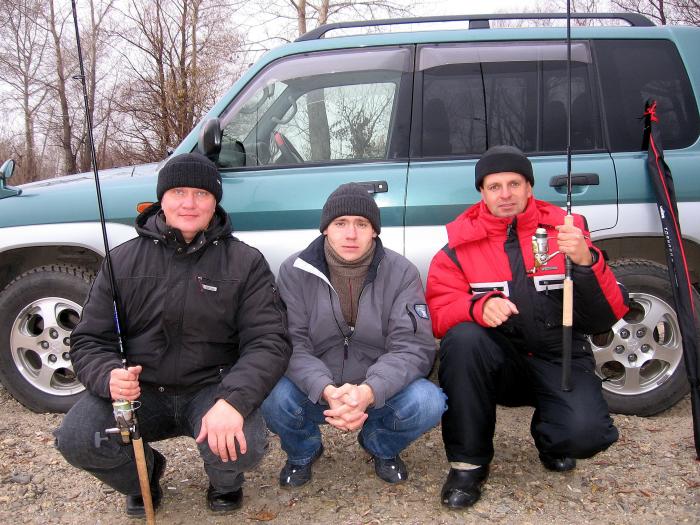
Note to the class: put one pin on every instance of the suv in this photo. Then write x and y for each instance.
(407, 114)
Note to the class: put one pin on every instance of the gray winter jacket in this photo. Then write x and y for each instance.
(392, 343)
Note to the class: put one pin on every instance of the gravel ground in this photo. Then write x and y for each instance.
(649, 476)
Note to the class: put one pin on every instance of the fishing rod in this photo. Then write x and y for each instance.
(568, 299)
(124, 410)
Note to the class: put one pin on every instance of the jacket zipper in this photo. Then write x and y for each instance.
(346, 337)
(186, 284)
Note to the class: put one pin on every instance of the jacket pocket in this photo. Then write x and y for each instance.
(412, 317)
(211, 309)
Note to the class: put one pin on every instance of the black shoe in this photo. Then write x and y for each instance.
(134, 503)
(297, 475)
(224, 501)
(462, 488)
(392, 470)
(557, 464)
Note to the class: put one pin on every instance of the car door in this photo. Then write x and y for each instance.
(307, 124)
(470, 96)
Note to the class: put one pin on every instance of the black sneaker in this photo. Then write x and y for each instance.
(392, 470)
(134, 503)
(297, 475)
(557, 464)
(462, 488)
(224, 501)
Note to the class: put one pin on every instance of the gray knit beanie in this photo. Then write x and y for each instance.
(351, 199)
(190, 170)
(503, 159)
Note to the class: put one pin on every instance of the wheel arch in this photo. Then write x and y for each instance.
(651, 248)
(75, 244)
(20, 260)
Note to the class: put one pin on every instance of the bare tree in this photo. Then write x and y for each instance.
(65, 121)
(657, 10)
(22, 62)
(299, 16)
(95, 41)
(688, 11)
(56, 24)
(664, 11)
(178, 55)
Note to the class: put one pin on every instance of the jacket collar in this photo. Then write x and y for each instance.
(313, 260)
(151, 225)
(478, 223)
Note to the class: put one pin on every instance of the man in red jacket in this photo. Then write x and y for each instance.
(498, 311)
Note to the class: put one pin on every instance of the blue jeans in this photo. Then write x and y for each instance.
(291, 415)
(161, 416)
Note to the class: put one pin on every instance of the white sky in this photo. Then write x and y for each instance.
(466, 7)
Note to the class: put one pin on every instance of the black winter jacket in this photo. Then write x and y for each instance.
(191, 315)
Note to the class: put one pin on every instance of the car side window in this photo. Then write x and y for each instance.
(479, 94)
(633, 71)
(321, 107)
(357, 117)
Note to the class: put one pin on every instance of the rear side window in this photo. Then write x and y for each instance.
(633, 71)
(322, 107)
(478, 95)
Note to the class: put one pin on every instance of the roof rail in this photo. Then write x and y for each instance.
(476, 21)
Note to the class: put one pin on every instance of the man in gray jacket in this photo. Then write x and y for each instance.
(362, 341)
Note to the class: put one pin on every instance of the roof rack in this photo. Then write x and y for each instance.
(476, 21)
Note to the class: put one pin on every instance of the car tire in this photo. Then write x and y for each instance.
(640, 359)
(38, 311)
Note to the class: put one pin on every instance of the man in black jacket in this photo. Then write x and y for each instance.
(205, 340)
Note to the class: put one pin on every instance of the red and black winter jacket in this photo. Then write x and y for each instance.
(487, 255)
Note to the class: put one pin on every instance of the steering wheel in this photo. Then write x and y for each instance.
(288, 153)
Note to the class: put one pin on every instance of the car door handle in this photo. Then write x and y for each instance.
(375, 186)
(577, 179)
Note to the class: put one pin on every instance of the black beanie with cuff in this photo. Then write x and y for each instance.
(503, 159)
(351, 199)
(190, 170)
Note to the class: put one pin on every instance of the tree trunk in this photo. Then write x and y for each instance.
(319, 132)
(66, 134)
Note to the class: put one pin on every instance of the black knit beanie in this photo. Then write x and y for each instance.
(351, 199)
(503, 159)
(190, 170)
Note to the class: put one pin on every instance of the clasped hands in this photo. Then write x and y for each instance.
(347, 405)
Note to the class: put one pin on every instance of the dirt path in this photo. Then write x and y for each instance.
(649, 476)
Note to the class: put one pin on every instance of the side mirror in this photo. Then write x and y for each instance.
(6, 171)
(209, 142)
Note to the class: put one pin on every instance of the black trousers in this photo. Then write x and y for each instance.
(480, 368)
(161, 416)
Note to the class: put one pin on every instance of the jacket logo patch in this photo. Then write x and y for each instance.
(205, 287)
(421, 310)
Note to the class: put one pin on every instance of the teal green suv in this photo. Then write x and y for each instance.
(405, 112)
